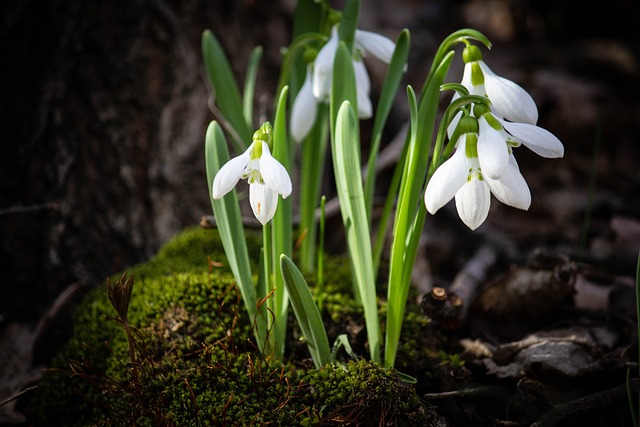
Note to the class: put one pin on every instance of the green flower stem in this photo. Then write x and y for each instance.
(229, 222)
(411, 213)
(292, 54)
(422, 124)
(268, 284)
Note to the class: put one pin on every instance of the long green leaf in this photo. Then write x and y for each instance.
(250, 84)
(282, 222)
(307, 17)
(225, 88)
(229, 223)
(306, 312)
(349, 23)
(346, 160)
(385, 102)
(343, 86)
(314, 154)
(406, 228)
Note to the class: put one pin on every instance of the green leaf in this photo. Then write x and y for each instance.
(306, 312)
(307, 17)
(385, 102)
(313, 159)
(225, 89)
(349, 23)
(250, 84)
(229, 223)
(343, 85)
(411, 212)
(342, 341)
(346, 160)
(282, 222)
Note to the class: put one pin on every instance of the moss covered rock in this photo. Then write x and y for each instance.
(189, 358)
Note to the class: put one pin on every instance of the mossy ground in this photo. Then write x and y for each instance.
(195, 364)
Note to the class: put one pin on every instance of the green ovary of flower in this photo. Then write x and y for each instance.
(471, 53)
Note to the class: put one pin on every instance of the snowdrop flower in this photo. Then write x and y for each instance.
(509, 101)
(304, 110)
(320, 75)
(462, 177)
(266, 176)
(497, 137)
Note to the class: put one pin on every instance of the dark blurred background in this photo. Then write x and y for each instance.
(104, 107)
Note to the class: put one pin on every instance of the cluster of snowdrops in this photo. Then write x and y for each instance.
(467, 155)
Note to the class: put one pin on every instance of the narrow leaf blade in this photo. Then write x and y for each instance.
(306, 312)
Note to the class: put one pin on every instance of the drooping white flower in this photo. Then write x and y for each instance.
(462, 177)
(508, 100)
(304, 110)
(497, 138)
(266, 176)
(366, 42)
(539, 140)
(320, 77)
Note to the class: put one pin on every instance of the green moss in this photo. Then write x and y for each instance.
(195, 363)
(190, 251)
(365, 393)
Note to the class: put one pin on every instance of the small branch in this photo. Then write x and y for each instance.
(17, 395)
(29, 208)
(472, 276)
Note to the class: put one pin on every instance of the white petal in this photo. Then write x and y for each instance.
(539, 140)
(466, 81)
(273, 174)
(493, 151)
(454, 123)
(304, 110)
(376, 44)
(511, 189)
(363, 89)
(447, 180)
(263, 202)
(472, 202)
(509, 99)
(323, 67)
(229, 174)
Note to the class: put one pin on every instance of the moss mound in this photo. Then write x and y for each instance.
(189, 359)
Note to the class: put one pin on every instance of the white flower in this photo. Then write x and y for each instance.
(508, 100)
(266, 176)
(539, 140)
(497, 137)
(462, 177)
(320, 76)
(304, 110)
(365, 42)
